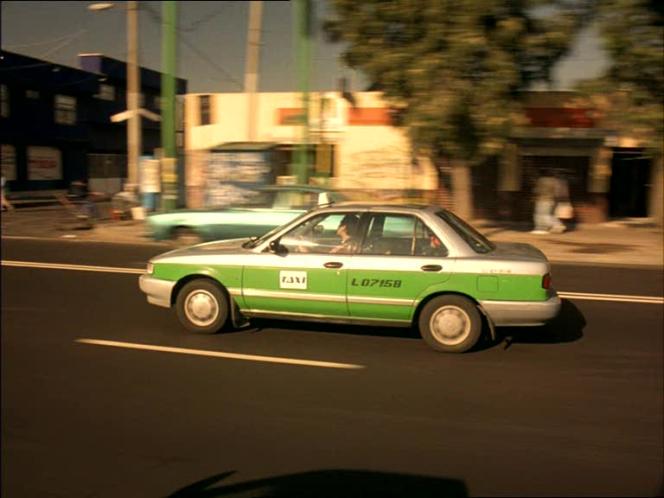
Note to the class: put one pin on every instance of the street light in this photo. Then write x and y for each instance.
(132, 114)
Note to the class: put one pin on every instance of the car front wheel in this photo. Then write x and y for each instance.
(450, 324)
(202, 307)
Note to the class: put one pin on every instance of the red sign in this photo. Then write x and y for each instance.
(560, 117)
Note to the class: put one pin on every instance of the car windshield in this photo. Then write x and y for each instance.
(255, 241)
(478, 242)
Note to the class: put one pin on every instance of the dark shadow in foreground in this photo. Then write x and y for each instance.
(328, 484)
(566, 327)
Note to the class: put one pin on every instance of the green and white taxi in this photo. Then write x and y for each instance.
(354, 263)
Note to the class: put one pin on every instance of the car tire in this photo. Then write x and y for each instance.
(184, 236)
(202, 306)
(451, 324)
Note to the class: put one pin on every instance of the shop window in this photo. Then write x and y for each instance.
(65, 109)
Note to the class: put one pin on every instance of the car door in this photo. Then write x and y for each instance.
(302, 278)
(398, 260)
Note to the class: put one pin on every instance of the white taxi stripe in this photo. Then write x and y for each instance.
(64, 266)
(221, 354)
(619, 298)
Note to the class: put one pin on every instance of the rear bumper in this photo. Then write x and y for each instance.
(158, 291)
(521, 313)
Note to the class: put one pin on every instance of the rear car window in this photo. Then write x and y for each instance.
(478, 242)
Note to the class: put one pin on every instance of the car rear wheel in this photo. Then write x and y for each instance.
(202, 307)
(450, 324)
(184, 236)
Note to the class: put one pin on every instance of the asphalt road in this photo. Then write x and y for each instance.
(575, 408)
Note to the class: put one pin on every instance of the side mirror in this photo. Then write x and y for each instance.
(275, 247)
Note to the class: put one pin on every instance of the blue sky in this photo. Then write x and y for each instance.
(212, 43)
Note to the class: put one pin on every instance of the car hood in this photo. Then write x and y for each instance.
(218, 247)
(517, 251)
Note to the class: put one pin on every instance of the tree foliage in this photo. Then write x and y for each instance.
(453, 70)
(633, 34)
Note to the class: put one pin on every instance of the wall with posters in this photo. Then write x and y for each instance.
(231, 177)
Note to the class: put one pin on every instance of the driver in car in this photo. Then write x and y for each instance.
(347, 232)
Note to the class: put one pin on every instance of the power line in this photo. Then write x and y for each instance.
(45, 42)
(156, 17)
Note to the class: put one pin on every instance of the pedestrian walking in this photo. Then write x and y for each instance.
(6, 205)
(545, 200)
(563, 211)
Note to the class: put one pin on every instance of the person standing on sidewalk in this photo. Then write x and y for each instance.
(6, 205)
(545, 200)
(563, 209)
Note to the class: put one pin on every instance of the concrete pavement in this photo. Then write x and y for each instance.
(623, 243)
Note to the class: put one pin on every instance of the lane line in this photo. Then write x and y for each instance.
(612, 297)
(63, 266)
(588, 296)
(221, 354)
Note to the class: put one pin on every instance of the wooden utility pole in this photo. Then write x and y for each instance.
(251, 70)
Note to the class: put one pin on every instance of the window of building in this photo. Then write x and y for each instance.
(106, 92)
(4, 101)
(8, 161)
(204, 109)
(65, 109)
(32, 94)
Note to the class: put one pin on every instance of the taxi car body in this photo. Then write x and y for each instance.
(266, 208)
(393, 265)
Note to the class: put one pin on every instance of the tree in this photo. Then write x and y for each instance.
(454, 70)
(633, 86)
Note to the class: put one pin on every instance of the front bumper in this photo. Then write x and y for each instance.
(158, 291)
(522, 313)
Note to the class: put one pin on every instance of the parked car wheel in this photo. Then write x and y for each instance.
(202, 307)
(185, 236)
(450, 324)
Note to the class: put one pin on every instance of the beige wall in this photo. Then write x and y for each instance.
(366, 156)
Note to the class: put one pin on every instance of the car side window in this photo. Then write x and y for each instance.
(335, 233)
(427, 243)
(401, 235)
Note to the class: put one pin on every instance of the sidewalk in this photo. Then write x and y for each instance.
(623, 243)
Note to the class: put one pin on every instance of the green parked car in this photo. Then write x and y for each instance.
(268, 208)
(398, 266)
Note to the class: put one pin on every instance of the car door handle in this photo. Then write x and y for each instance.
(333, 264)
(431, 268)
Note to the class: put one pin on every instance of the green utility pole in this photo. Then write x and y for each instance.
(169, 154)
(303, 40)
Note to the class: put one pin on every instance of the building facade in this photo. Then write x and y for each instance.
(356, 148)
(55, 124)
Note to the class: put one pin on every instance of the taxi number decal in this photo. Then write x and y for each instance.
(375, 282)
(293, 279)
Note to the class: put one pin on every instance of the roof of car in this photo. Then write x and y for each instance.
(373, 206)
(307, 188)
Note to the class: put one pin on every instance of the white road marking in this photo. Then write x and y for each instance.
(618, 298)
(221, 354)
(588, 296)
(62, 266)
